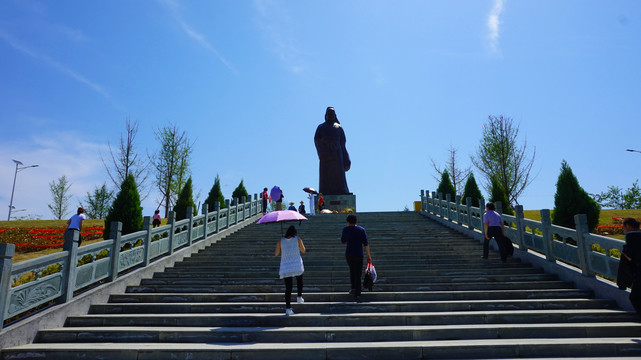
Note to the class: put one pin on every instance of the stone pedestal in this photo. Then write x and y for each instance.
(340, 203)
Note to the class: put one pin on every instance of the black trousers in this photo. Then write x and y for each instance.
(355, 264)
(494, 232)
(264, 206)
(635, 296)
(289, 284)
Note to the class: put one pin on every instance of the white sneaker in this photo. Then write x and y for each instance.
(300, 299)
(289, 312)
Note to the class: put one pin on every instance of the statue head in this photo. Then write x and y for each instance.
(330, 115)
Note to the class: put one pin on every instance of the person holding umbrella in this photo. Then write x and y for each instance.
(291, 265)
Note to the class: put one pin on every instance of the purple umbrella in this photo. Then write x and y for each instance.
(275, 193)
(280, 216)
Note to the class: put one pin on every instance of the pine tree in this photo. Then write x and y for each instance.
(125, 208)
(239, 192)
(472, 191)
(498, 194)
(185, 199)
(215, 195)
(446, 187)
(570, 199)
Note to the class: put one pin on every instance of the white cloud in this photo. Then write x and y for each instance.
(493, 25)
(175, 12)
(56, 154)
(16, 44)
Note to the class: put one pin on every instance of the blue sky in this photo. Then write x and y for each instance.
(249, 81)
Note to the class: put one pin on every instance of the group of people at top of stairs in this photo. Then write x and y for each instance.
(291, 246)
(266, 198)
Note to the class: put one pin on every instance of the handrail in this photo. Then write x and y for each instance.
(56, 277)
(590, 254)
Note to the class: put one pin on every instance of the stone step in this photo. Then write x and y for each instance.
(318, 274)
(360, 319)
(342, 296)
(481, 285)
(352, 307)
(274, 280)
(311, 334)
(431, 349)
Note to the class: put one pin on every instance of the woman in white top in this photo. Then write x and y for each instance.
(291, 265)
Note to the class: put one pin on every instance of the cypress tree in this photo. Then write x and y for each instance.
(239, 192)
(446, 187)
(125, 208)
(570, 199)
(215, 195)
(185, 199)
(498, 194)
(472, 191)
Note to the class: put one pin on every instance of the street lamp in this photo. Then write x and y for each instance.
(19, 167)
(631, 150)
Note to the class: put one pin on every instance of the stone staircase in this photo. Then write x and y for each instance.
(435, 298)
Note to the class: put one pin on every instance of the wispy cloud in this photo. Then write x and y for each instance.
(493, 25)
(175, 12)
(276, 26)
(16, 44)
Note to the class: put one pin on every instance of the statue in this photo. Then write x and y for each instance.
(334, 159)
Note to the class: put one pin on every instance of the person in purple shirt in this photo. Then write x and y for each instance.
(355, 238)
(493, 226)
(632, 251)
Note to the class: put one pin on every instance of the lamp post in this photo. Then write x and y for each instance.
(19, 167)
(632, 150)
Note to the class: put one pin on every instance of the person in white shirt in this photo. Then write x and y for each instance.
(75, 223)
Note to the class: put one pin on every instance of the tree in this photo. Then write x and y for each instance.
(570, 199)
(171, 163)
(497, 193)
(185, 199)
(457, 176)
(472, 191)
(125, 208)
(500, 156)
(59, 197)
(127, 161)
(97, 205)
(239, 192)
(215, 195)
(616, 198)
(446, 187)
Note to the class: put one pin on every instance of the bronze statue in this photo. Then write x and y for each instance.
(334, 159)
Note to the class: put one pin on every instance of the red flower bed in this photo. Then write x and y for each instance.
(34, 239)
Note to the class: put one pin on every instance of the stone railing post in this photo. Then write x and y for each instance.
(434, 198)
(146, 225)
(448, 198)
(520, 228)
(217, 210)
(468, 204)
(422, 200)
(72, 237)
(583, 246)
(205, 212)
(6, 257)
(236, 200)
(546, 229)
(482, 211)
(242, 206)
(440, 204)
(499, 207)
(458, 210)
(115, 234)
(190, 216)
(171, 221)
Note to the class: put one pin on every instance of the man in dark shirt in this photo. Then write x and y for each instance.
(356, 239)
(632, 251)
